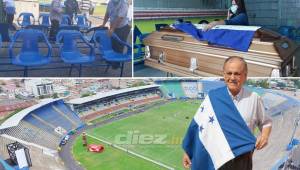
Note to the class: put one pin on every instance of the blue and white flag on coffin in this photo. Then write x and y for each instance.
(217, 133)
(235, 37)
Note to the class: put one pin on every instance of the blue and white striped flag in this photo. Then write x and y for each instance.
(218, 133)
(235, 37)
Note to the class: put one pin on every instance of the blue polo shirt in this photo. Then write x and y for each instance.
(116, 10)
(240, 19)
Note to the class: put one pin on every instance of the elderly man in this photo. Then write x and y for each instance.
(116, 12)
(221, 134)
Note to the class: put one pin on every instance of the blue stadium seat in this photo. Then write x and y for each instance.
(0, 41)
(44, 20)
(30, 54)
(82, 22)
(139, 50)
(89, 34)
(67, 110)
(105, 47)
(26, 19)
(69, 51)
(42, 28)
(297, 38)
(288, 31)
(65, 21)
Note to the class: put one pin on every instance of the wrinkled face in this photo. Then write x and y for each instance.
(234, 75)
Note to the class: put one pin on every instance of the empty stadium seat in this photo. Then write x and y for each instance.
(82, 22)
(288, 31)
(42, 28)
(44, 20)
(297, 38)
(69, 51)
(30, 54)
(105, 47)
(138, 47)
(26, 18)
(65, 21)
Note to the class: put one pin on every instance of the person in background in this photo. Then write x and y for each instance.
(2, 12)
(72, 9)
(237, 15)
(130, 12)
(85, 7)
(56, 12)
(10, 11)
(116, 13)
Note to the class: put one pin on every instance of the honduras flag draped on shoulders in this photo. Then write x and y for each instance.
(217, 133)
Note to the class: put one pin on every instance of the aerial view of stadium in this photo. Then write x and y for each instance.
(65, 38)
(127, 123)
(193, 38)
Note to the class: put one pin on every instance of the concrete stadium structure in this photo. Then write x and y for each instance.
(267, 13)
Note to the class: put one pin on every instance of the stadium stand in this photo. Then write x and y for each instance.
(190, 89)
(174, 89)
(92, 107)
(166, 13)
(44, 124)
(39, 159)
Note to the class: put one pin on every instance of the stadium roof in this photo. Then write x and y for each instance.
(15, 119)
(108, 94)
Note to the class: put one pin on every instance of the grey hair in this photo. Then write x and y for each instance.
(238, 58)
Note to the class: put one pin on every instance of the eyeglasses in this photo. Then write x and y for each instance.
(235, 74)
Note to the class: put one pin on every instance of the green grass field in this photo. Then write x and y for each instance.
(156, 134)
(111, 158)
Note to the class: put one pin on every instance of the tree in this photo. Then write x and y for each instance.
(55, 95)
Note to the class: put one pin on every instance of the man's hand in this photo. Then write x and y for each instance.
(110, 32)
(207, 27)
(262, 140)
(186, 161)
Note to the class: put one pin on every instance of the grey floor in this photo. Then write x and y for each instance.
(57, 68)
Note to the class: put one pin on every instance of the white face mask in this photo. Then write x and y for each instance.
(234, 9)
(115, 1)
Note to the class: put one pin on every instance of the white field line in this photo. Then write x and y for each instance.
(133, 153)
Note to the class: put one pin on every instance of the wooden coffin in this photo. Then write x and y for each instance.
(176, 52)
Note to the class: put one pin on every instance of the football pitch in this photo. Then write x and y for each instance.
(155, 134)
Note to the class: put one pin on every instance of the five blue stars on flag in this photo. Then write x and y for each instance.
(211, 119)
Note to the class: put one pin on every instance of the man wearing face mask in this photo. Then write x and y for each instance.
(116, 13)
(220, 135)
(237, 15)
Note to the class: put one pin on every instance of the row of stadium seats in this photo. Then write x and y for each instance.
(52, 116)
(27, 18)
(114, 108)
(46, 125)
(27, 132)
(67, 40)
(104, 104)
(290, 32)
